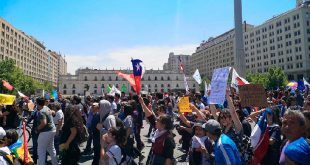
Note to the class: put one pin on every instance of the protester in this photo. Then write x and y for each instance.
(5, 153)
(293, 128)
(112, 154)
(162, 142)
(69, 139)
(47, 131)
(58, 121)
(273, 153)
(225, 150)
(95, 133)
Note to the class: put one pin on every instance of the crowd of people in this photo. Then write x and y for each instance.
(111, 126)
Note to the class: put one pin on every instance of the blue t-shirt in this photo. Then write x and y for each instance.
(226, 151)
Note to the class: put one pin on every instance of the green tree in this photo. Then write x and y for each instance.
(202, 85)
(21, 82)
(276, 78)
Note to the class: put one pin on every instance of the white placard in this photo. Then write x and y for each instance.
(218, 85)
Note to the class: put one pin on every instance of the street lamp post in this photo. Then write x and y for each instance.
(239, 55)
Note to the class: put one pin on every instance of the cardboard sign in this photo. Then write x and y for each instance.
(7, 99)
(252, 95)
(218, 85)
(184, 105)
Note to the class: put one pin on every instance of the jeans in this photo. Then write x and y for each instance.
(57, 142)
(46, 143)
(137, 131)
(90, 139)
(34, 137)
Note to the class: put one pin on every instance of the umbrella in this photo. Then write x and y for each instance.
(292, 85)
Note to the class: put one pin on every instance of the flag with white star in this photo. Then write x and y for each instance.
(137, 73)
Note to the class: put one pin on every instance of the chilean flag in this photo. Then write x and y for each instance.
(129, 77)
(137, 73)
(237, 80)
(260, 139)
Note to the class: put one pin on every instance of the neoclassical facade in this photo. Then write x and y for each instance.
(96, 81)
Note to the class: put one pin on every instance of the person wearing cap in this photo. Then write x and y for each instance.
(201, 147)
(5, 153)
(225, 150)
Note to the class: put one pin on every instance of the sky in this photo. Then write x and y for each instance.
(108, 33)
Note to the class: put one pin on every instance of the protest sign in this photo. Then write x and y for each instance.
(252, 95)
(218, 85)
(184, 105)
(7, 99)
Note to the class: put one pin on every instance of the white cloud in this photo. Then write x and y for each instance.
(152, 57)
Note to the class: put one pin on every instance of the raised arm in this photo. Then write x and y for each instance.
(146, 110)
(199, 113)
(213, 111)
(233, 112)
(184, 120)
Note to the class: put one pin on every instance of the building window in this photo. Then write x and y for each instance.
(110, 78)
(73, 86)
(102, 79)
(65, 86)
(155, 85)
(162, 85)
(177, 86)
(64, 92)
(149, 78)
(162, 78)
(85, 78)
(95, 91)
(102, 85)
(168, 85)
(86, 86)
(168, 78)
(95, 86)
(95, 78)
(73, 92)
(177, 78)
(155, 78)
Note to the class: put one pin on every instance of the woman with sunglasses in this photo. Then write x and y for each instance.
(232, 127)
(162, 142)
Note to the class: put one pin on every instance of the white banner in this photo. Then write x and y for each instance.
(186, 85)
(218, 85)
(197, 77)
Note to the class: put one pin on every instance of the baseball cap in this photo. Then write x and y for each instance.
(2, 133)
(212, 126)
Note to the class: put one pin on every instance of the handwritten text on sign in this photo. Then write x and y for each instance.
(218, 85)
(184, 105)
(252, 95)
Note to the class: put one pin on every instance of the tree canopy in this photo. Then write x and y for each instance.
(273, 79)
(21, 82)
